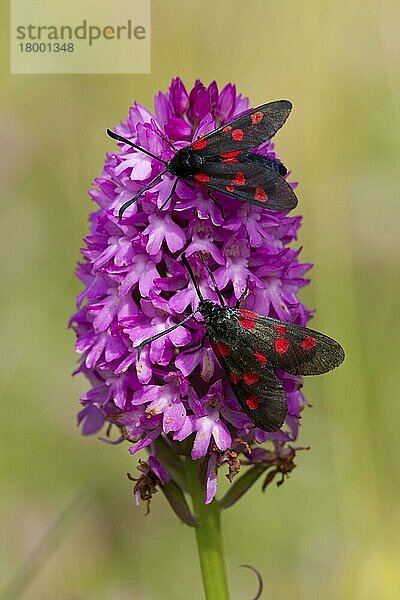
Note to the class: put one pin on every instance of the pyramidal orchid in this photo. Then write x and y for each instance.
(175, 401)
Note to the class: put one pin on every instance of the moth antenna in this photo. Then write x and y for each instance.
(259, 579)
(144, 188)
(120, 138)
(211, 274)
(162, 333)
(217, 204)
(192, 277)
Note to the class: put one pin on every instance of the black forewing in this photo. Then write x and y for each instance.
(297, 350)
(251, 182)
(258, 390)
(247, 131)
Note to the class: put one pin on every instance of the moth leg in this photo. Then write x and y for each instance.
(211, 274)
(171, 194)
(144, 189)
(217, 203)
(244, 293)
(196, 348)
(162, 333)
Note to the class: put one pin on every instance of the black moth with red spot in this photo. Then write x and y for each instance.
(250, 347)
(222, 160)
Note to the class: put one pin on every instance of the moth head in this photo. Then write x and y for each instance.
(185, 162)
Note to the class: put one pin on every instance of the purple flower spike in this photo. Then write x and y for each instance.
(135, 286)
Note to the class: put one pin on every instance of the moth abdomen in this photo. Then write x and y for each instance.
(270, 163)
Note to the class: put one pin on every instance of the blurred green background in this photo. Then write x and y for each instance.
(332, 531)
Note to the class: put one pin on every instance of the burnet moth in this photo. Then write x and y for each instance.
(223, 160)
(250, 347)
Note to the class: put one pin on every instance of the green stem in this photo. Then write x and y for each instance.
(208, 535)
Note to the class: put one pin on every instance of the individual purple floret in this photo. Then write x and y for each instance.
(177, 397)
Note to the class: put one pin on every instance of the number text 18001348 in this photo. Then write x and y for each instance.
(46, 47)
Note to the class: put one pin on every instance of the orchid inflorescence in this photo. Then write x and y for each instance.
(176, 400)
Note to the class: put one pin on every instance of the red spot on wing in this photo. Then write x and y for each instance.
(230, 188)
(281, 345)
(223, 349)
(202, 177)
(199, 144)
(233, 154)
(247, 323)
(308, 343)
(257, 117)
(280, 329)
(234, 378)
(260, 195)
(239, 179)
(253, 402)
(237, 134)
(261, 358)
(250, 378)
(227, 128)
